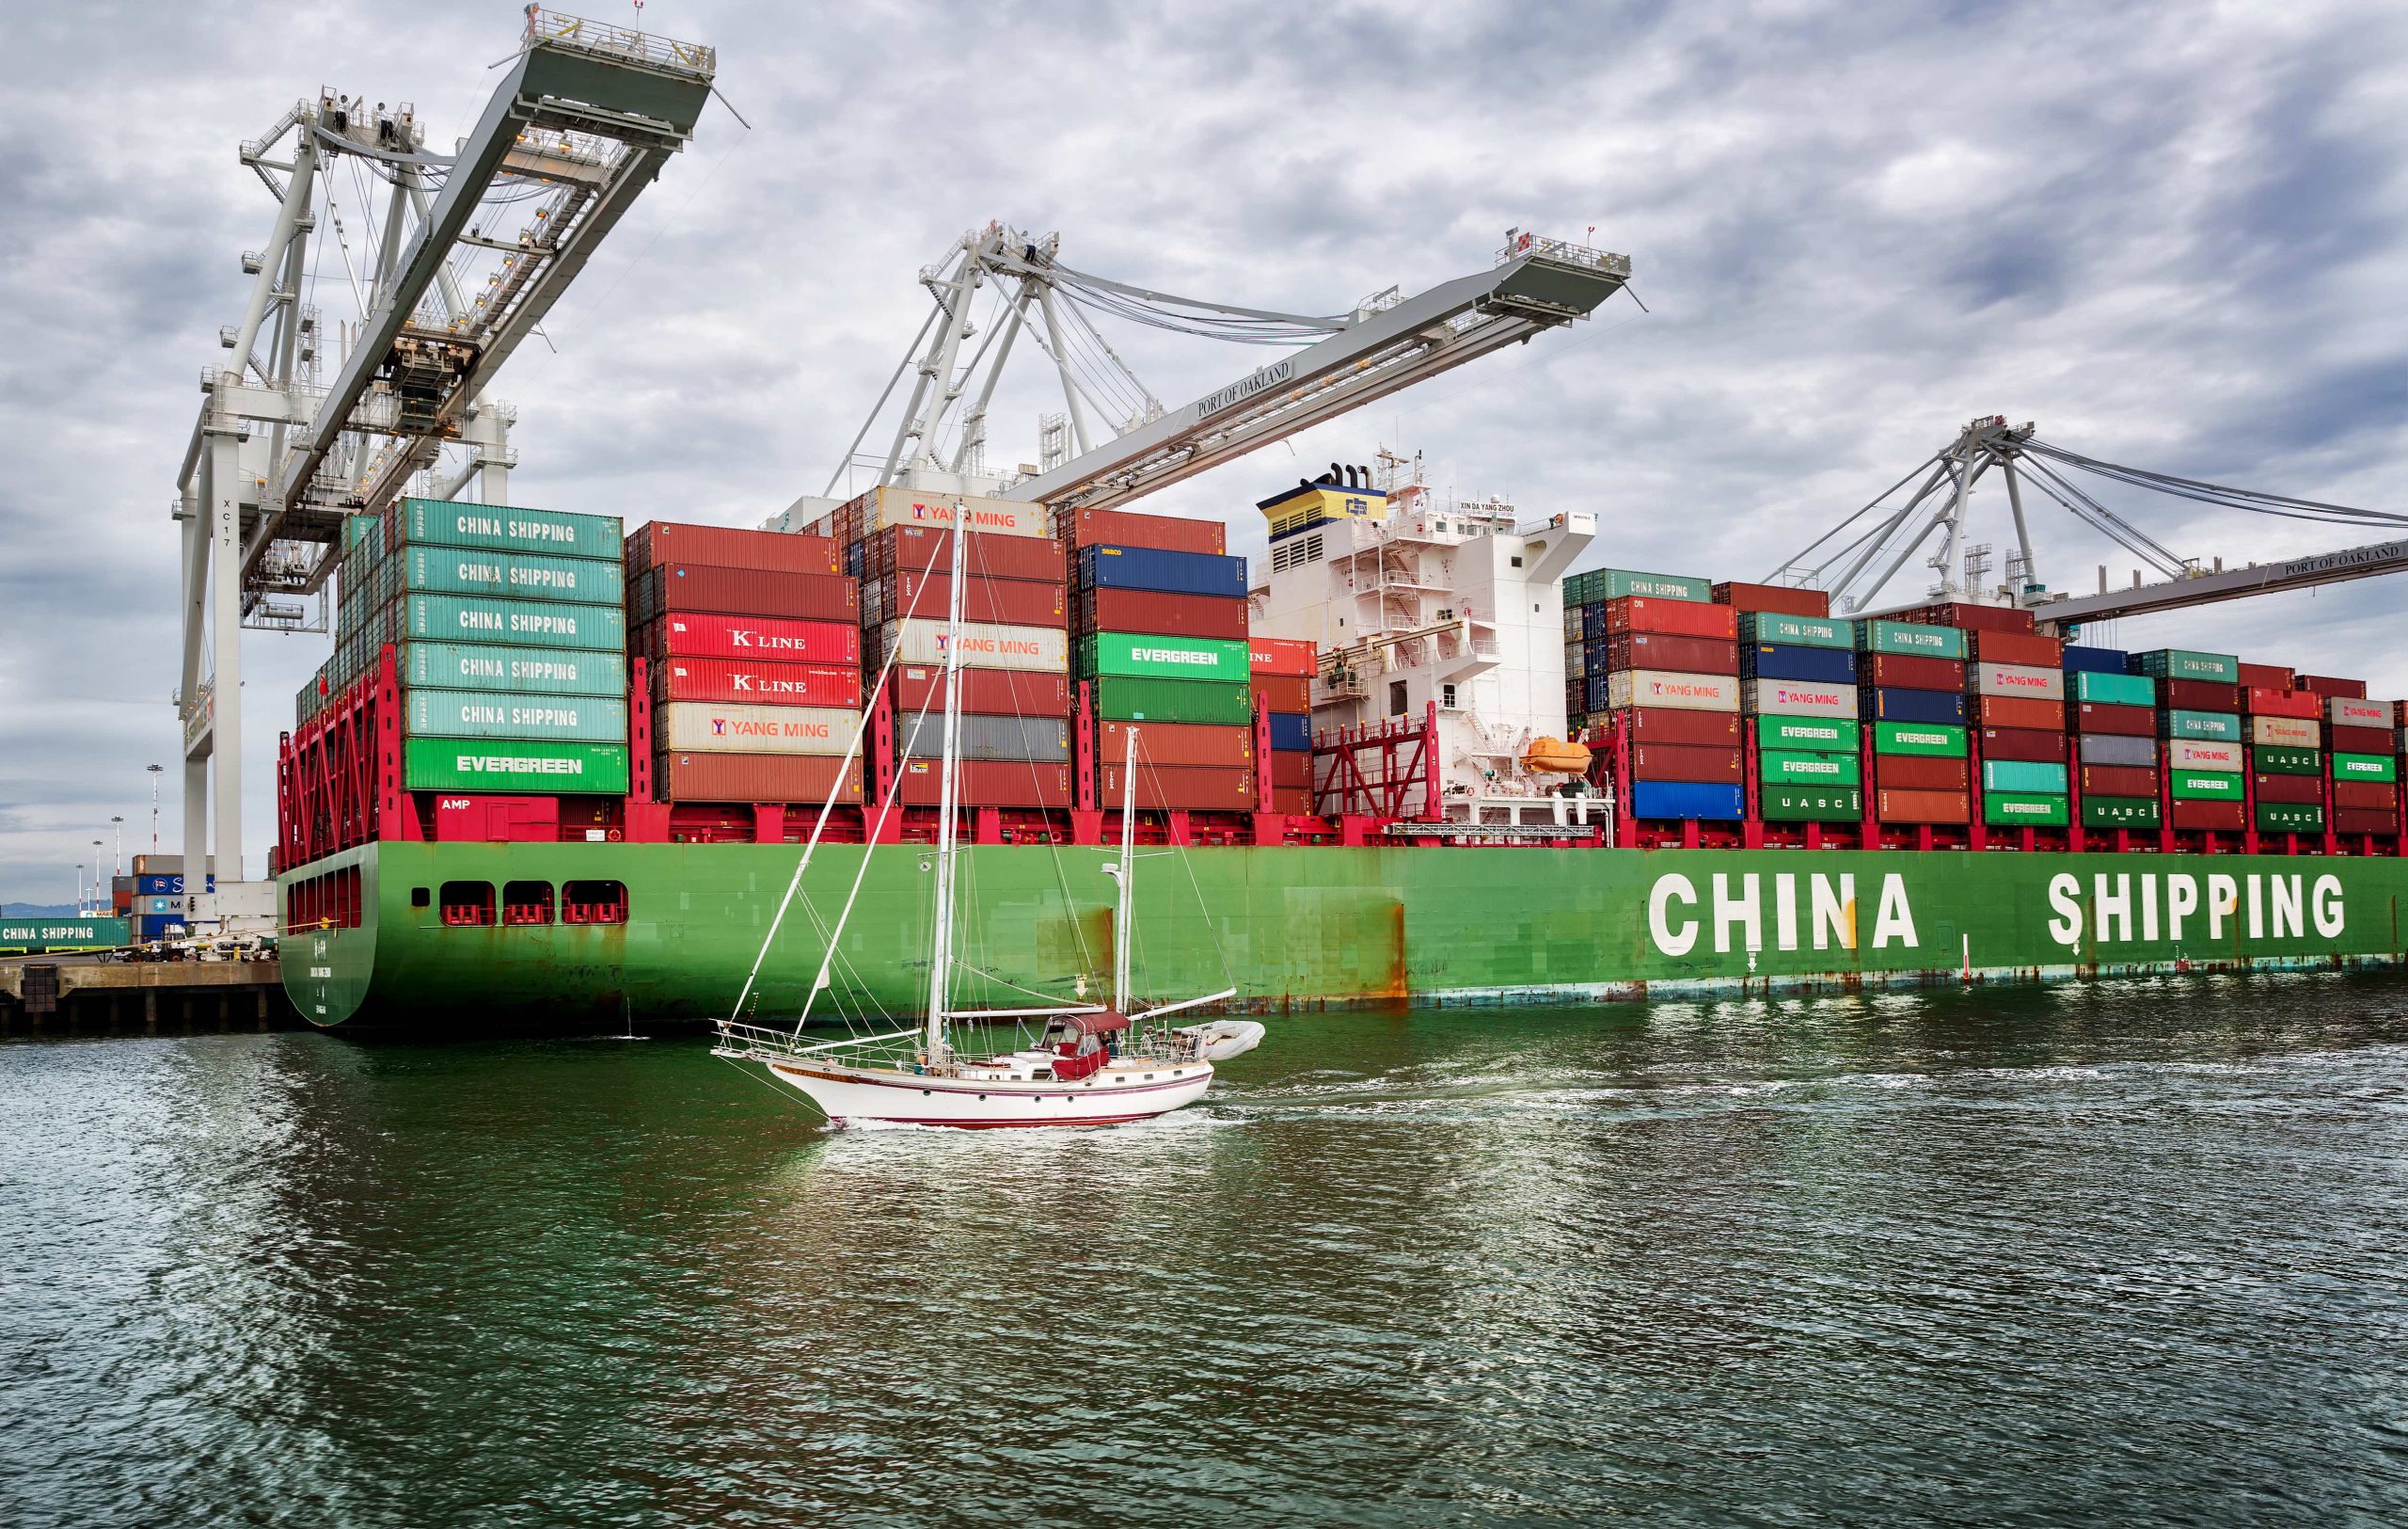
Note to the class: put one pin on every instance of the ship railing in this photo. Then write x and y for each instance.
(759, 1043)
(550, 29)
(1565, 250)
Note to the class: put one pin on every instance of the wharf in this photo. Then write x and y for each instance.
(70, 992)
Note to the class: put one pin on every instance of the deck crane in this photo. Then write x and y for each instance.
(1115, 440)
(1856, 559)
(451, 261)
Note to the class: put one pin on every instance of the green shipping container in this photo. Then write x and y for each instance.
(2182, 663)
(1913, 639)
(1813, 735)
(60, 933)
(443, 764)
(2289, 818)
(2024, 777)
(2120, 812)
(2283, 761)
(1614, 584)
(2201, 786)
(1924, 739)
(553, 719)
(441, 522)
(1779, 767)
(2114, 689)
(1174, 700)
(477, 618)
(1803, 631)
(536, 671)
(2198, 726)
(1121, 655)
(1808, 803)
(2376, 767)
(2026, 809)
(517, 575)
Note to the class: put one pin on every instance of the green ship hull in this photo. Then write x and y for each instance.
(1309, 926)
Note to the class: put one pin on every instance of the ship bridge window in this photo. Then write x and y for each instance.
(467, 904)
(594, 903)
(1397, 699)
(526, 902)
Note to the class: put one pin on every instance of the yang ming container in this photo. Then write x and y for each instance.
(721, 727)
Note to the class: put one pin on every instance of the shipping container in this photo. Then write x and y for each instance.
(1664, 725)
(720, 727)
(2203, 817)
(1918, 806)
(1127, 528)
(2364, 820)
(2026, 810)
(2190, 754)
(1008, 602)
(1901, 671)
(1882, 704)
(538, 671)
(2259, 702)
(2104, 661)
(1044, 649)
(1775, 599)
(1167, 616)
(2024, 650)
(164, 904)
(1178, 744)
(2016, 711)
(1655, 650)
(988, 783)
(163, 884)
(2117, 749)
(726, 546)
(1785, 768)
(699, 589)
(1287, 657)
(2365, 767)
(568, 719)
(2273, 788)
(1814, 665)
(1178, 787)
(440, 764)
(1797, 630)
(2363, 795)
(1813, 735)
(1810, 804)
(2046, 745)
(1208, 702)
(2120, 812)
(746, 638)
(1162, 572)
(2182, 663)
(2118, 780)
(1291, 772)
(1789, 698)
(1677, 800)
(164, 864)
(516, 576)
(1132, 656)
(2099, 717)
(1929, 741)
(801, 779)
(2203, 786)
(2285, 732)
(1984, 678)
(2288, 817)
(883, 509)
(1016, 693)
(2114, 690)
(1282, 694)
(2025, 778)
(1659, 688)
(1970, 617)
(927, 550)
(442, 522)
(1670, 618)
(2277, 760)
(1915, 773)
(1617, 583)
(478, 619)
(2356, 712)
(1908, 639)
(1292, 731)
(1042, 740)
(1681, 761)
(2212, 726)
(761, 684)
(2359, 739)
(2199, 696)
(2266, 677)
(2329, 687)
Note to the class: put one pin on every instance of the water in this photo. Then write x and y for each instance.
(2132, 1252)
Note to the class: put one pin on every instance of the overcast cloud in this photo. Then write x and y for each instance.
(2172, 234)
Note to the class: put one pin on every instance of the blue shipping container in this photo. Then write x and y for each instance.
(157, 925)
(1162, 572)
(157, 886)
(1686, 799)
(1597, 687)
(1788, 661)
(2095, 660)
(1889, 704)
(1291, 732)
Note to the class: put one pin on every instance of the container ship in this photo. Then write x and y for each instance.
(558, 772)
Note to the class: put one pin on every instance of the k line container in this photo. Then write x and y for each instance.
(539, 671)
(721, 727)
(1815, 665)
(2183, 754)
(1780, 766)
(1129, 528)
(2118, 780)
(2100, 717)
(443, 764)
(1931, 740)
(1897, 671)
(725, 547)
(1042, 648)
(1167, 616)
(1663, 799)
(1912, 639)
(1287, 657)
(2044, 746)
(2027, 777)
(1882, 704)
(2114, 689)
(1813, 735)
(743, 681)
(477, 618)
(1292, 731)
(2120, 812)
(1664, 724)
(1654, 650)
(2117, 749)
(1761, 626)
(571, 719)
(1672, 619)
(2203, 786)
(442, 522)
(1178, 744)
(1173, 787)
(2286, 761)
(2289, 788)
(516, 576)
(699, 589)
(2205, 727)
(1911, 806)
(1675, 691)
(799, 779)
(1914, 773)
(1681, 761)
(929, 550)
(2371, 767)
(2182, 663)
(988, 692)
(1044, 739)
(1791, 698)
(1985, 678)
(1010, 602)
(1810, 804)
(749, 638)
(1163, 572)
(2026, 809)
(1136, 656)
(1210, 703)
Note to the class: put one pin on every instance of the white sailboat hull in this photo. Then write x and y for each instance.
(1117, 1096)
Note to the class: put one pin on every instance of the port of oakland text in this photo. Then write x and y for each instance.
(1238, 392)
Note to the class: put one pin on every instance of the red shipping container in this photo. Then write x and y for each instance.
(1010, 602)
(2118, 780)
(1911, 672)
(2023, 711)
(2128, 721)
(767, 684)
(697, 587)
(1287, 657)
(2258, 701)
(1163, 615)
(985, 692)
(1296, 802)
(800, 778)
(987, 783)
(2201, 816)
(2376, 794)
(992, 554)
(2019, 647)
(1663, 724)
(2199, 696)
(1273, 693)
(2266, 677)
(1680, 654)
(1179, 785)
(1290, 770)
(1911, 773)
(1177, 743)
(681, 636)
(2364, 821)
(2032, 743)
(1778, 599)
(1674, 619)
(1127, 528)
(1922, 806)
(726, 546)
(1973, 618)
(1690, 762)
(2349, 690)
(2358, 740)
(2292, 789)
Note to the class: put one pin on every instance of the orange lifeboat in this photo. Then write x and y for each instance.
(1554, 757)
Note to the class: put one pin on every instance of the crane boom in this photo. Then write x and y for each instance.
(2208, 588)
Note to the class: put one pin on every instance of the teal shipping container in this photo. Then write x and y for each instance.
(477, 618)
(442, 522)
(2027, 777)
(529, 719)
(513, 671)
(2114, 690)
(1911, 639)
(2202, 726)
(517, 575)
(1799, 631)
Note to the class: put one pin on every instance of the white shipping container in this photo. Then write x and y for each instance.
(1800, 699)
(2286, 733)
(2016, 679)
(1037, 649)
(1676, 692)
(712, 727)
(2345, 712)
(2216, 759)
(885, 507)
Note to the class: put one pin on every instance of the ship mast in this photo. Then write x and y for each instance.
(949, 758)
(1127, 911)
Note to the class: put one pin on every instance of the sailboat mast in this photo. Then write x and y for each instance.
(1123, 935)
(948, 764)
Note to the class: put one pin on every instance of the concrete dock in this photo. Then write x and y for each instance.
(70, 992)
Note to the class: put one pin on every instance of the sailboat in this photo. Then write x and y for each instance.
(1088, 1064)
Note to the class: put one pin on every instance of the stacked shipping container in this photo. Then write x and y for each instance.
(2362, 770)
(1282, 670)
(1660, 662)
(2204, 766)
(1797, 693)
(1912, 695)
(2015, 684)
(2113, 724)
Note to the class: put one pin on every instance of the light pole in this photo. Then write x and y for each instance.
(117, 852)
(98, 905)
(156, 771)
(79, 890)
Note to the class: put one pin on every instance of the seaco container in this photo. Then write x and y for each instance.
(804, 778)
(1210, 703)
(1044, 739)
(537, 671)
(745, 637)
(720, 727)
(575, 719)
(1681, 798)
(763, 684)
(478, 619)
(517, 575)
(1146, 655)
(1162, 572)
(1018, 692)
(1178, 744)
(444, 764)
(440, 522)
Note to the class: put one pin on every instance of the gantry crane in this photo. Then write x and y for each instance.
(451, 261)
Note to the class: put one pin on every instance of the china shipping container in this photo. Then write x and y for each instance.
(516, 576)
(427, 712)
(1166, 615)
(1797, 630)
(749, 639)
(764, 684)
(1909, 639)
(537, 671)
(800, 778)
(442, 522)
(726, 546)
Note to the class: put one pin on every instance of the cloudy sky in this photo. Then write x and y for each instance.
(2172, 234)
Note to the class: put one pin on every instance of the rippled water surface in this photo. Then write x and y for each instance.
(2133, 1252)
